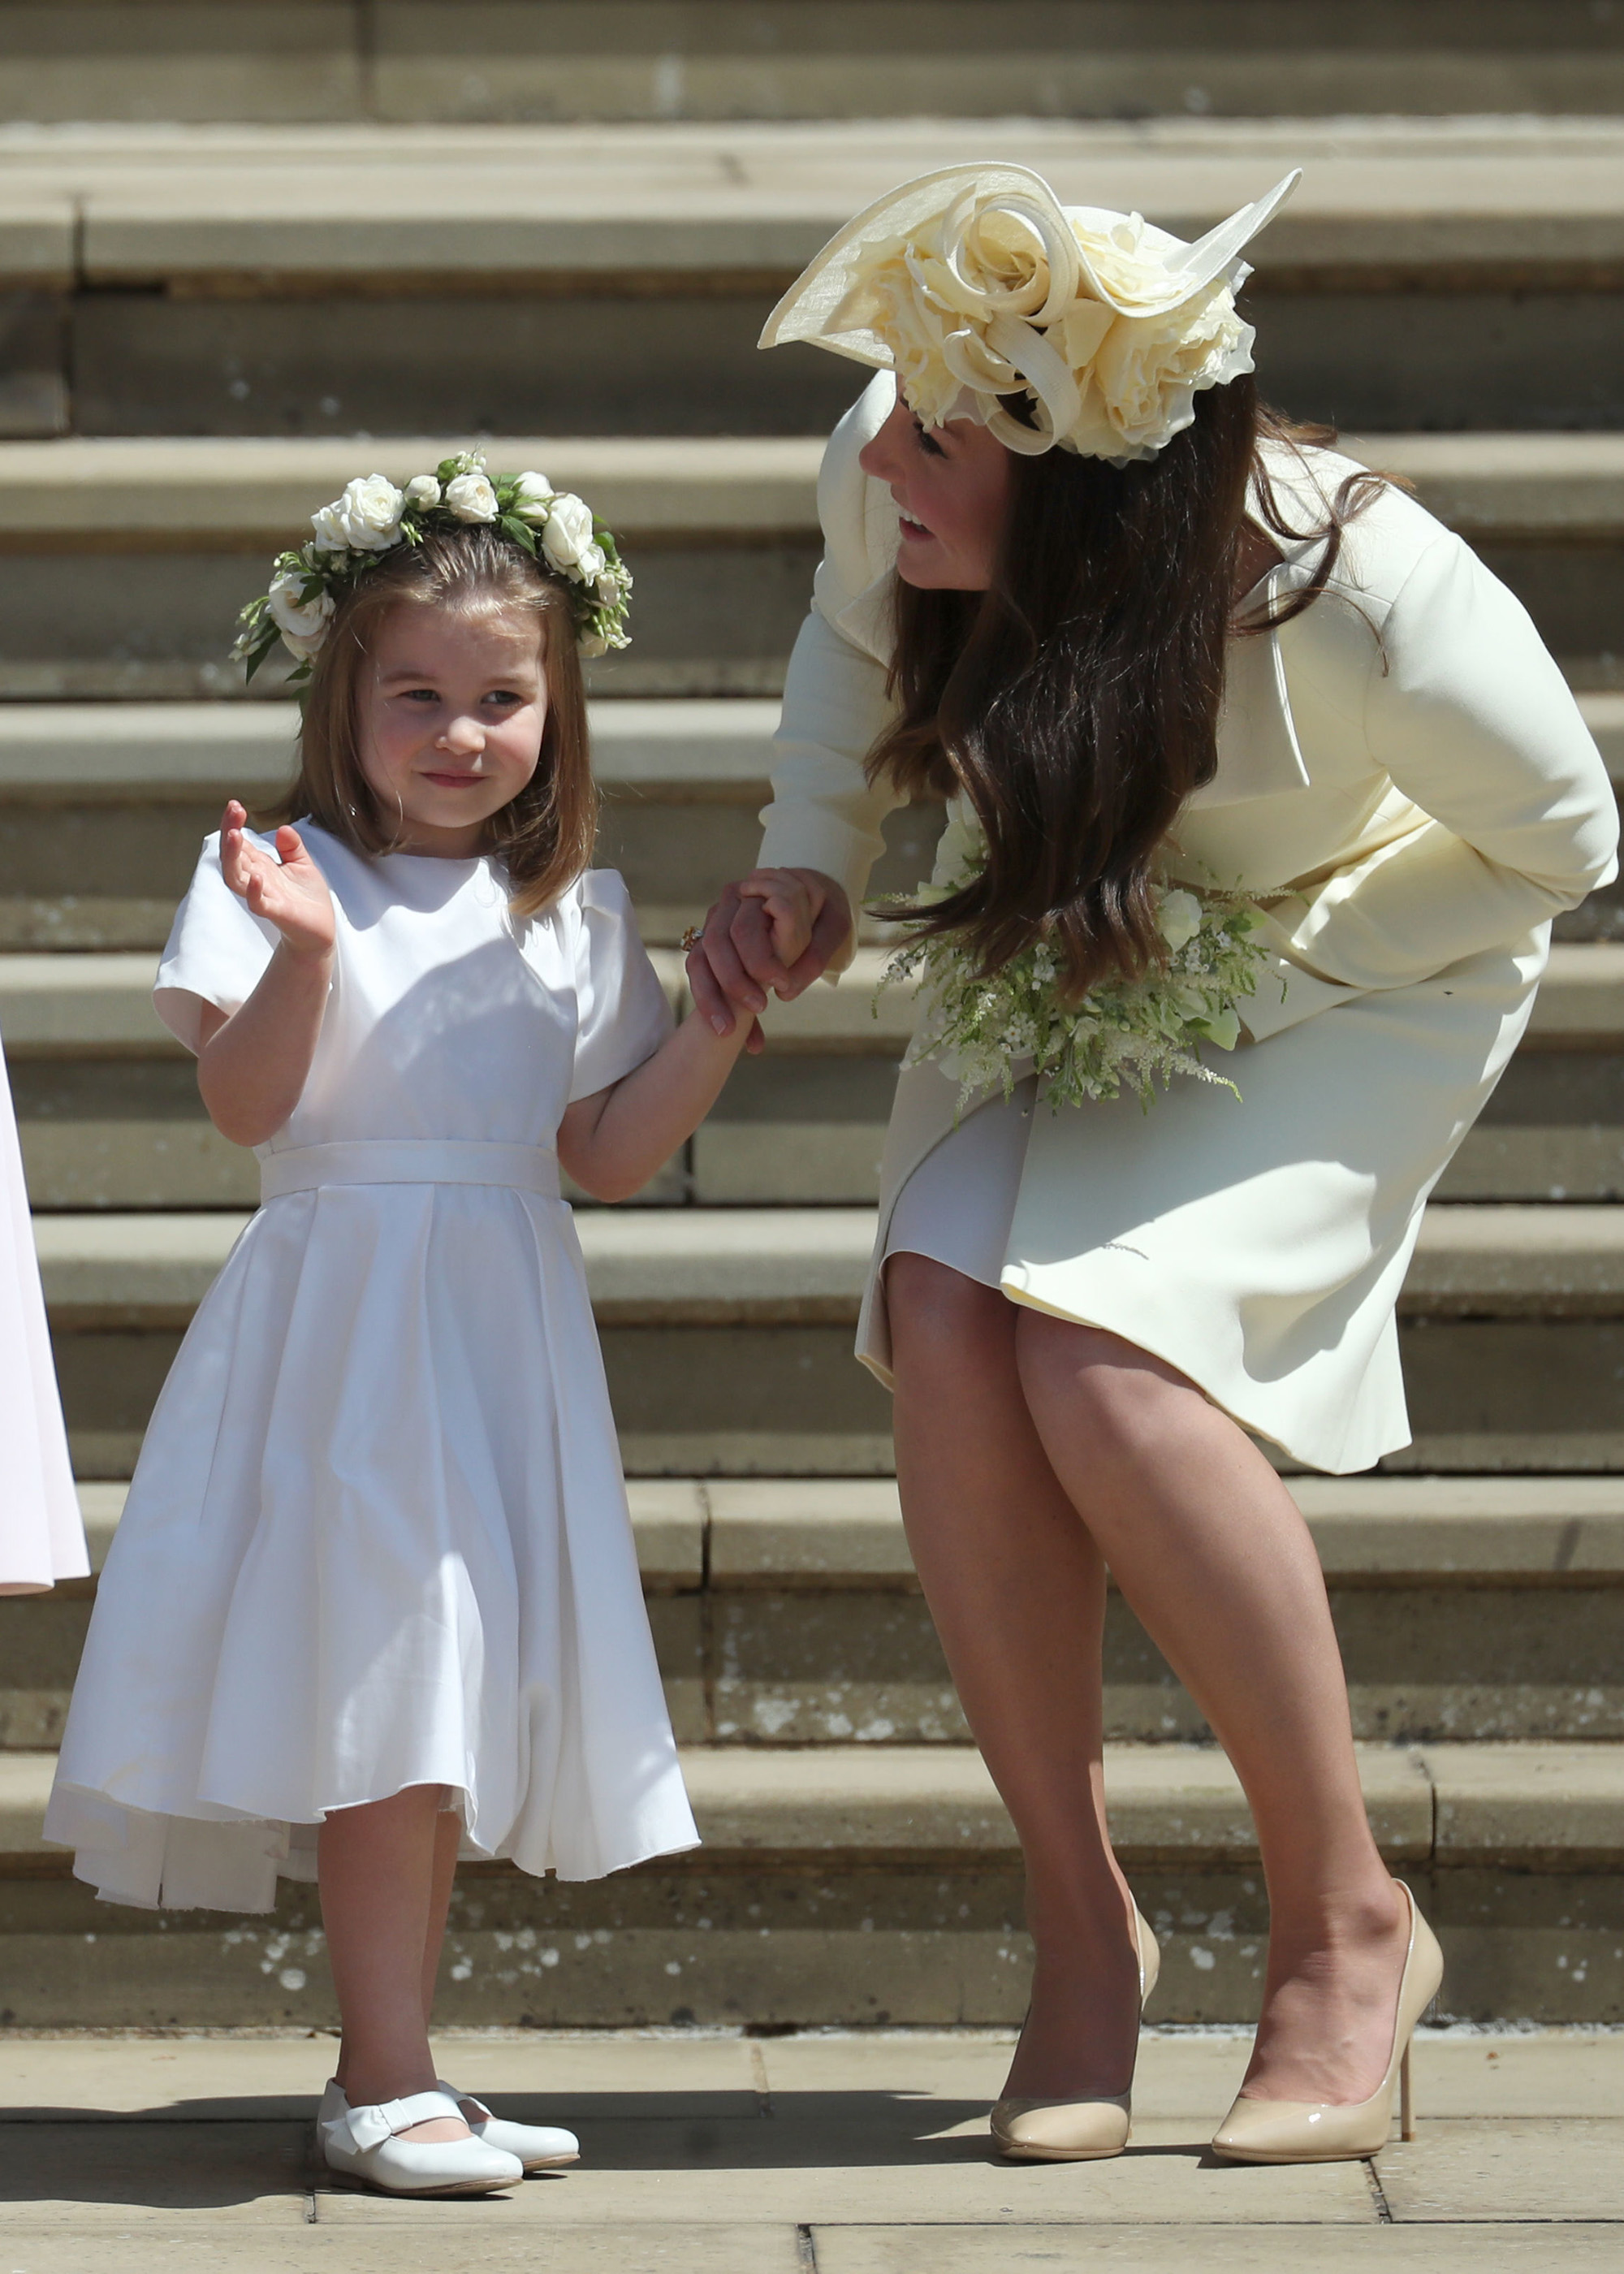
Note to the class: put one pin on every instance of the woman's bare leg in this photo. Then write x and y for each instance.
(1017, 1590)
(1209, 1548)
(376, 1868)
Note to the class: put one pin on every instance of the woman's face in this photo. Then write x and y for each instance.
(951, 484)
(452, 715)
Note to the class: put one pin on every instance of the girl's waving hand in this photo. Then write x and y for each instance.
(291, 892)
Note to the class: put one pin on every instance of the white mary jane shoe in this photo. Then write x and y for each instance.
(539, 2147)
(361, 2144)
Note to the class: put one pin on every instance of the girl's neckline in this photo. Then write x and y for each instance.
(440, 860)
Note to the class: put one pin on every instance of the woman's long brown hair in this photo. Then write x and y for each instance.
(1075, 704)
(544, 836)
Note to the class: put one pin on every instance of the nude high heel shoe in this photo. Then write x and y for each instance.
(1328, 2132)
(1076, 2131)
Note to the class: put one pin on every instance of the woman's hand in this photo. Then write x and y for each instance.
(291, 893)
(774, 932)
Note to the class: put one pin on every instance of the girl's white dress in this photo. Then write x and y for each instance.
(42, 1539)
(378, 1535)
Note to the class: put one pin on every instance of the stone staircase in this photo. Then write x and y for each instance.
(200, 318)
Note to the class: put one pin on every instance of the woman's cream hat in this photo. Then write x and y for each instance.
(977, 282)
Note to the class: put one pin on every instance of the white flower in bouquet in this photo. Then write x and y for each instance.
(365, 519)
(423, 491)
(1178, 918)
(470, 497)
(568, 532)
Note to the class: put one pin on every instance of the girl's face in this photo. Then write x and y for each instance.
(451, 713)
(951, 484)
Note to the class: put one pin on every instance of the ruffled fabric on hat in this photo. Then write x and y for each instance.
(975, 283)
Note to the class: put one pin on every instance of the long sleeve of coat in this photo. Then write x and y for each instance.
(826, 814)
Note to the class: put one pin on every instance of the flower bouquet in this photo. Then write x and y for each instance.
(988, 1030)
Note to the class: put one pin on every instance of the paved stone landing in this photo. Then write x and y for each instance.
(832, 2154)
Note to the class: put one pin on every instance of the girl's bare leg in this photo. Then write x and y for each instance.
(1207, 1545)
(376, 1869)
(447, 1840)
(1017, 1590)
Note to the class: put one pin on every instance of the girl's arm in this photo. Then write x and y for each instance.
(253, 1064)
(613, 1142)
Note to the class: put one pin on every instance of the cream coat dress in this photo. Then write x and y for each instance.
(1406, 762)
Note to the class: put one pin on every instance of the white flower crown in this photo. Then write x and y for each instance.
(374, 518)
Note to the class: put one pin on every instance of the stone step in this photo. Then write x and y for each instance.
(727, 1335)
(135, 754)
(91, 791)
(272, 280)
(787, 1613)
(109, 1115)
(879, 1884)
(88, 788)
(123, 561)
(432, 60)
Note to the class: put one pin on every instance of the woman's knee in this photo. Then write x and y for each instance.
(940, 1319)
(1125, 1399)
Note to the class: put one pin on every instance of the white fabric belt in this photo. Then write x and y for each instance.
(410, 1161)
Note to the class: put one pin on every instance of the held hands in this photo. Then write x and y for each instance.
(774, 931)
(293, 894)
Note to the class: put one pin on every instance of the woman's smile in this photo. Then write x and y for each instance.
(965, 473)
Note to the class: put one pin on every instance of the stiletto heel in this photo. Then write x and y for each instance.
(1077, 2131)
(1329, 2132)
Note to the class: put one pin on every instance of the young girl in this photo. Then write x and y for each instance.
(374, 1598)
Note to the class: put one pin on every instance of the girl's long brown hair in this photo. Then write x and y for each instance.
(1075, 703)
(544, 836)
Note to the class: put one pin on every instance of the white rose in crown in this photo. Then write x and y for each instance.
(532, 497)
(295, 617)
(423, 491)
(470, 497)
(366, 518)
(568, 533)
(302, 650)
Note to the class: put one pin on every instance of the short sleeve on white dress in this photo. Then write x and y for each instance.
(622, 1011)
(217, 951)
